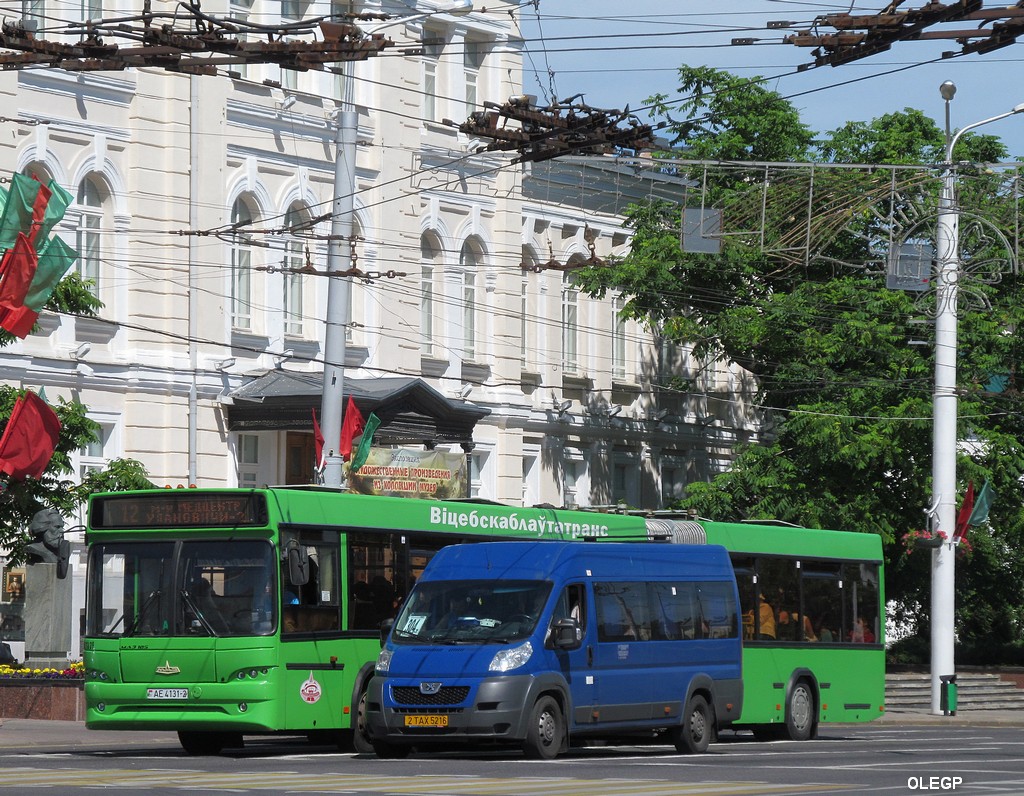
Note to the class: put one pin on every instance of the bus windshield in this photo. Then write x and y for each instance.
(471, 612)
(195, 588)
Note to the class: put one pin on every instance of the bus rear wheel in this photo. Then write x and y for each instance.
(693, 736)
(200, 744)
(800, 709)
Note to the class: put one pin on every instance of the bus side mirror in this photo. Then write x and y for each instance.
(568, 635)
(298, 563)
(385, 629)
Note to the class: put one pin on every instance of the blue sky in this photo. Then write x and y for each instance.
(624, 63)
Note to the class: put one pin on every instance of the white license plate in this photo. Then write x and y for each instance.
(166, 693)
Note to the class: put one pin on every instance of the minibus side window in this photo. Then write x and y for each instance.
(674, 614)
(622, 612)
(572, 604)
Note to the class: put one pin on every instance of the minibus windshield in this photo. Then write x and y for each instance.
(471, 612)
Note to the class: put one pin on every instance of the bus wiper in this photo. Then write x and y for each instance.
(130, 631)
(191, 605)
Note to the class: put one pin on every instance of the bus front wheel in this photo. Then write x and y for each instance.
(693, 736)
(545, 732)
(361, 742)
(800, 712)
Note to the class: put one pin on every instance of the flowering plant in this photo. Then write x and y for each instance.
(923, 538)
(73, 671)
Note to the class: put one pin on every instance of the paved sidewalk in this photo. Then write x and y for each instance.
(963, 718)
(41, 734)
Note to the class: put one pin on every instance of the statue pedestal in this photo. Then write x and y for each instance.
(47, 617)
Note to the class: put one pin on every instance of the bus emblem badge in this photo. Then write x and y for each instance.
(311, 691)
(430, 688)
(168, 669)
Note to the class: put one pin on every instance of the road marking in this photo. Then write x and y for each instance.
(425, 784)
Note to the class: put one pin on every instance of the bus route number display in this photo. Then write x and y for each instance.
(179, 510)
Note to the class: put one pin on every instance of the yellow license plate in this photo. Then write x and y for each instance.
(426, 721)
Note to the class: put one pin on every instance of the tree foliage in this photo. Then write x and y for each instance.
(848, 399)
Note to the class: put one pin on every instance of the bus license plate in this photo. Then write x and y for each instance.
(426, 721)
(166, 693)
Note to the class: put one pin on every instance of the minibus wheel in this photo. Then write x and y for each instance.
(693, 736)
(545, 731)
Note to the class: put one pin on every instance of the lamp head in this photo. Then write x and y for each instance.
(948, 90)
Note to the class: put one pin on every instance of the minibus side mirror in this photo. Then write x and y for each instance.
(385, 628)
(568, 634)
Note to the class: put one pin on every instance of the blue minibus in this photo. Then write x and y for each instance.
(536, 644)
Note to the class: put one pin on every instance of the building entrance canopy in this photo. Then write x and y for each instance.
(411, 411)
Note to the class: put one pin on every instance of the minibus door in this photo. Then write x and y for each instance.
(575, 661)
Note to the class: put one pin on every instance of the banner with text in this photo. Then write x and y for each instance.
(403, 472)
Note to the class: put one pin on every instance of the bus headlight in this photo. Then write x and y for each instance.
(383, 661)
(507, 660)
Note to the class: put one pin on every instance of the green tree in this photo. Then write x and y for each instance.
(58, 487)
(848, 432)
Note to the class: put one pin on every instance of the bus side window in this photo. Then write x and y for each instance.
(315, 605)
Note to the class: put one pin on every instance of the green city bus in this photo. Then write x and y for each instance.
(220, 613)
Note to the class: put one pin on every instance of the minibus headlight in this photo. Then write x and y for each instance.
(383, 661)
(507, 660)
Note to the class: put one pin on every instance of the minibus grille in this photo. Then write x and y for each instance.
(447, 695)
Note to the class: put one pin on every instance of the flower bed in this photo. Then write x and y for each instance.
(73, 671)
(55, 694)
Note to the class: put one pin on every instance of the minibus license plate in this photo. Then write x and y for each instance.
(166, 693)
(426, 721)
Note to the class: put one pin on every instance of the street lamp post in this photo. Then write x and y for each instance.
(944, 408)
(339, 253)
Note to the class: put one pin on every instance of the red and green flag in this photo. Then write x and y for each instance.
(29, 439)
(32, 209)
(363, 451)
(351, 425)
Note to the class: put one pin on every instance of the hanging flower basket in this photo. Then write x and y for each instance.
(924, 540)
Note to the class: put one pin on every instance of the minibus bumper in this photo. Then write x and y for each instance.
(494, 709)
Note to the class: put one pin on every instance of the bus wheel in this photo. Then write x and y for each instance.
(390, 751)
(694, 735)
(361, 742)
(207, 743)
(545, 731)
(800, 712)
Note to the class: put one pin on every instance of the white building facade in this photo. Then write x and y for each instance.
(162, 167)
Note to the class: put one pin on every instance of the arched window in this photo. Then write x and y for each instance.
(618, 337)
(528, 324)
(570, 324)
(294, 259)
(470, 259)
(430, 258)
(242, 215)
(89, 234)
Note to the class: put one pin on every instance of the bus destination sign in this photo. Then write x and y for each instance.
(179, 510)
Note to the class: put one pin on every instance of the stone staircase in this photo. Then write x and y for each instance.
(912, 692)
